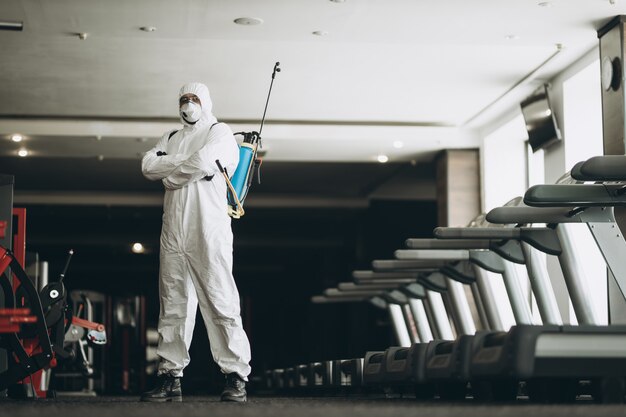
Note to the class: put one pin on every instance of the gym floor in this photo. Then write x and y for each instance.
(301, 407)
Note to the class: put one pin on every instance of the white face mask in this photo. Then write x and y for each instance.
(190, 112)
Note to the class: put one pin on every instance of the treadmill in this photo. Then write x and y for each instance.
(398, 369)
(402, 365)
(559, 362)
(452, 362)
(392, 369)
(399, 295)
(449, 365)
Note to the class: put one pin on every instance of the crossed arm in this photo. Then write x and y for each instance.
(177, 171)
(156, 167)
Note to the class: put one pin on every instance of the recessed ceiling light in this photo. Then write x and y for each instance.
(248, 21)
(321, 33)
(148, 28)
(138, 248)
(544, 4)
(382, 158)
(512, 37)
(12, 26)
(17, 137)
(398, 144)
(22, 153)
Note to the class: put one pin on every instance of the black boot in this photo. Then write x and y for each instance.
(168, 389)
(235, 389)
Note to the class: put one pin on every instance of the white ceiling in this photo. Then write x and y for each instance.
(415, 69)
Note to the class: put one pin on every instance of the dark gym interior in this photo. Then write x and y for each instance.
(433, 200)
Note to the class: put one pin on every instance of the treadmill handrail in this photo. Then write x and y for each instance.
(492, 233)
(575, 195)
(365, 275)
(524, 215)
(601, 168)
(385, 265)
(447, 244)
(432, 254)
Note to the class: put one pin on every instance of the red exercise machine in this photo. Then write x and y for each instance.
(33, 323)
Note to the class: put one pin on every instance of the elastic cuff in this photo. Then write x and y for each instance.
(245, 378)
(174, 374)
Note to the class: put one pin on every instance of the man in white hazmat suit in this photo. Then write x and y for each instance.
(196, 255)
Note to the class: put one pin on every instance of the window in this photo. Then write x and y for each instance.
(504, 166)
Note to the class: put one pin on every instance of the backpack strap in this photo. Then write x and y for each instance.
(173, 132)
(210, 177)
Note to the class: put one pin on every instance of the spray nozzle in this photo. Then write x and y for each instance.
(276, 69)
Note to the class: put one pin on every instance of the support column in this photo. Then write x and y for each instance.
(458, 187)
(613, 129)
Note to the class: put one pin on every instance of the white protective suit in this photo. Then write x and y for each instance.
(196, 256)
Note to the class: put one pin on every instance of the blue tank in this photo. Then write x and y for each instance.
(240, 179)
